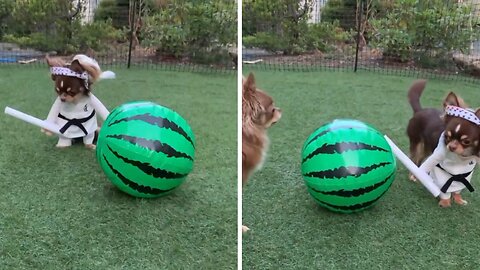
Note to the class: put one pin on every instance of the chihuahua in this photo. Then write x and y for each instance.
(75, 107)
(258, 114)
(450, 139)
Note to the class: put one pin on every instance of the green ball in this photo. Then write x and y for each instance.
(145, 149)
(347, 165)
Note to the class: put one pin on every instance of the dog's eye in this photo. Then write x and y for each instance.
(273, 110)
(466, 142)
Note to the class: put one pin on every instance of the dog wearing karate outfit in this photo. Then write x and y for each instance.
(75, 109)
(452, 162)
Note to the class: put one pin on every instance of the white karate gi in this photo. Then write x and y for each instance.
(83, 108)
(452, 164)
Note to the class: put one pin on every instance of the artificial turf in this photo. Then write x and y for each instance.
(59, 211)
(405, 229)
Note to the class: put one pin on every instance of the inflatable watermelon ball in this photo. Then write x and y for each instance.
(347, 166)
(145, 149)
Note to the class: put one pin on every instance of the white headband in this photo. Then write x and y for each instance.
(462, 113)
(63, 71)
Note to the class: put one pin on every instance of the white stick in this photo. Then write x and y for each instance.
(421, 175)
(33, 120)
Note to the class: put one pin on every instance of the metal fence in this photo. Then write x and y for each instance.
(177, 35)
(414, 38)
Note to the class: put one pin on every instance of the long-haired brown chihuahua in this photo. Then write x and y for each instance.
(76, 108)
(258, 114)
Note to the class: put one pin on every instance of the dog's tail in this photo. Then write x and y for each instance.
(414, 94)
(93, 69)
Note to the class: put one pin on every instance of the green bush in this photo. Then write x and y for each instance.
(394, 39)
(326, 36)
(283, 26)
(95, 36)
(166, 33)
(342, 11)
(6, 8)
(264, 40)
(414, 30)
(38, 41)
(118, 11)
(114, 10)
(322, 37)
(187, 29)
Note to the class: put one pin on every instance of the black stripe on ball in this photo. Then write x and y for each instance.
(153, 145)
(155, 120)
(147, 168)
(133, 185)
(335, 128)
(112, 116)
(355, 192)
(343, 171)
(342, 147)
(352, 207)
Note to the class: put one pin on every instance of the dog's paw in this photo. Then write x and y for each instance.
(63, 143)
(61, 146)
(91, 146)
(444, 203)
(457, 198)
(245, 229)
(46, 132)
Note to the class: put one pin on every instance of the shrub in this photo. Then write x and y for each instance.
(414, 29)
(283, 26)
(265, 40)
(187, 29)
(94, 36)
(114, 10)
(326, 36)
(322, 36)
(166, 33)
(6, 8)
(342, 11)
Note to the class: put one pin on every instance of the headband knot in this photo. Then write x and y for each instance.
(63, 71)
(462, 113)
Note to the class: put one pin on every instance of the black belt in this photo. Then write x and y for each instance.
(75, 122)
(457, 177)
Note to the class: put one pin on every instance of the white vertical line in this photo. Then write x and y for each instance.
(239, 132)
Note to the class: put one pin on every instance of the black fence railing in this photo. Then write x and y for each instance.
(190, 34)
(429, 38)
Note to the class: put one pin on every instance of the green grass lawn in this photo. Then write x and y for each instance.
(59, 211)
(404, 230)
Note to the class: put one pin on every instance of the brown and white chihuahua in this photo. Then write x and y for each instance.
(258, 114)
(75, 108)
(432, 130)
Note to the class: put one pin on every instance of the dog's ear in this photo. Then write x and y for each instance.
(54, 61)
(249, 84)
(477, 112)
(75, 66)
(452, 100)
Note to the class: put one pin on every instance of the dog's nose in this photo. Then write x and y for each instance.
(452, 148)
